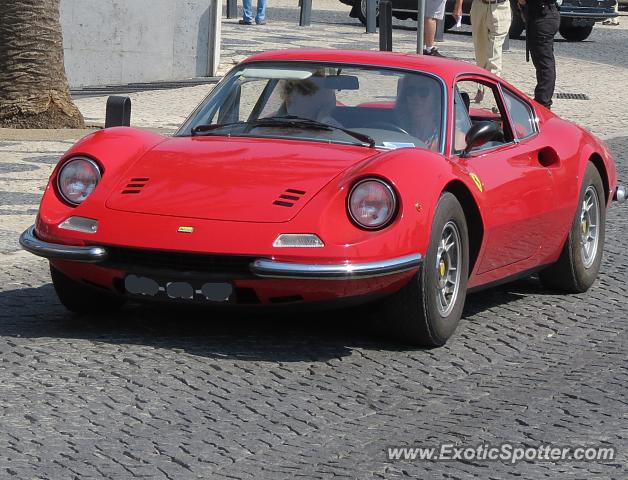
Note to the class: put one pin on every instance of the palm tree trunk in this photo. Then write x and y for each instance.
(34, 91)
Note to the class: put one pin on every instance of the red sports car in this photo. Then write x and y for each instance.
(322, 176)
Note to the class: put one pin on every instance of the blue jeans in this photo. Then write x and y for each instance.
(248, 10)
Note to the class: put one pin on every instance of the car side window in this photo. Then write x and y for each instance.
(462, 121)
(250, 91)
(521, 115)
(275, 104)
(482, 106)
(241, 101)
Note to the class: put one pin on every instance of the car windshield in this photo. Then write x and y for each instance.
(325, 102)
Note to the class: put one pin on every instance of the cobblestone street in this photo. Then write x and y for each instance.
(194, 394)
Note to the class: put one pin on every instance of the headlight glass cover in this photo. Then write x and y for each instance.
(77, 179)
(372, 204)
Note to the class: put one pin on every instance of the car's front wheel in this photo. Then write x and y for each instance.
(80, 298)
(579, 262)
(427, 310)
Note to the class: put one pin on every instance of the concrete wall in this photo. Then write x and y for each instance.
(125, 41)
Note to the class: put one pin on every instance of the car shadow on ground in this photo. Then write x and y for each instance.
(296, 335)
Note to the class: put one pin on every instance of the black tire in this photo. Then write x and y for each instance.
(570, 273)
(573, 33)
(80, 298)
(449, 22)
(412, 314)
(360, 6)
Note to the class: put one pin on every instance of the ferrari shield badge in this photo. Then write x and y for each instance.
(477, 181)
(183, 229)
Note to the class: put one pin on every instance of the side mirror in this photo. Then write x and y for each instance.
(478, 134)
(118, 113)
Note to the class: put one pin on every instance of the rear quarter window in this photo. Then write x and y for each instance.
(521, 114)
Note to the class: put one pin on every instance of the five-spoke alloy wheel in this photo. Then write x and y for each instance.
(579, 262)
(589, 220)
(448, 262)
(427, 310)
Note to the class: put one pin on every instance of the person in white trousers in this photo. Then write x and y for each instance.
(490, 22)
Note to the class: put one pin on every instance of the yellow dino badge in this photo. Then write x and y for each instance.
(477, 181)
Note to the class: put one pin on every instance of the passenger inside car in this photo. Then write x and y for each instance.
(418, 108)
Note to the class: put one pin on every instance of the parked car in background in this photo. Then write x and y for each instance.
(577, 16)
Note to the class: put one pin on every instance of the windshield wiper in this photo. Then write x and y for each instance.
(284, 121)
(300, 122)
(262, 122)
(200, 129)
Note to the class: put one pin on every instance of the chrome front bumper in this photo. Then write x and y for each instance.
(263, 267)
(31, 243)
(272, 269)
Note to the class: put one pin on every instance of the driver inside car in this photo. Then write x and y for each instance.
(310, 99)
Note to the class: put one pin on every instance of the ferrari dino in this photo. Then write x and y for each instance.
(331, 177)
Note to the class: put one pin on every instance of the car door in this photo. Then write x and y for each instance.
(516, 190)
(543, 150)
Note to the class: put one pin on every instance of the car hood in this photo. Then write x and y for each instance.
(231, 178)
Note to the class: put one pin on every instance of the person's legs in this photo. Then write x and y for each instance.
(429, 32)
(247, 11)
(260, 18)
(498, 27)
(479, 32)
(533, 42)
(541, 31)
(434, 11)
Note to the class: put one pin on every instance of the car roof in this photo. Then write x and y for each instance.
(445, 68)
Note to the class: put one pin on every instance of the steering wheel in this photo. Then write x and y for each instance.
(387, 126)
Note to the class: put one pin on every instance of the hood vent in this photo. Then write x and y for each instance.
(135, 186)
(289, 197)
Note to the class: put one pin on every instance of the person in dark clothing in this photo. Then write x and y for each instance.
(542, 22)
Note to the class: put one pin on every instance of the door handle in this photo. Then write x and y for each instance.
(548, 157)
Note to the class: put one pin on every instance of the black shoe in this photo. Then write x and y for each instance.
(244, 22)
(433, 52)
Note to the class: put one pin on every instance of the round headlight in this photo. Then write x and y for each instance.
(372, 203)
(77, 179)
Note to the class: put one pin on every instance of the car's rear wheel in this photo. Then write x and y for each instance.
(361, 11)
(80, 298)
(579, 262)
(450, 22)
(427, 310)
(574, 33)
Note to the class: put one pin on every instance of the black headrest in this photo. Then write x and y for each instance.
(466, 99)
